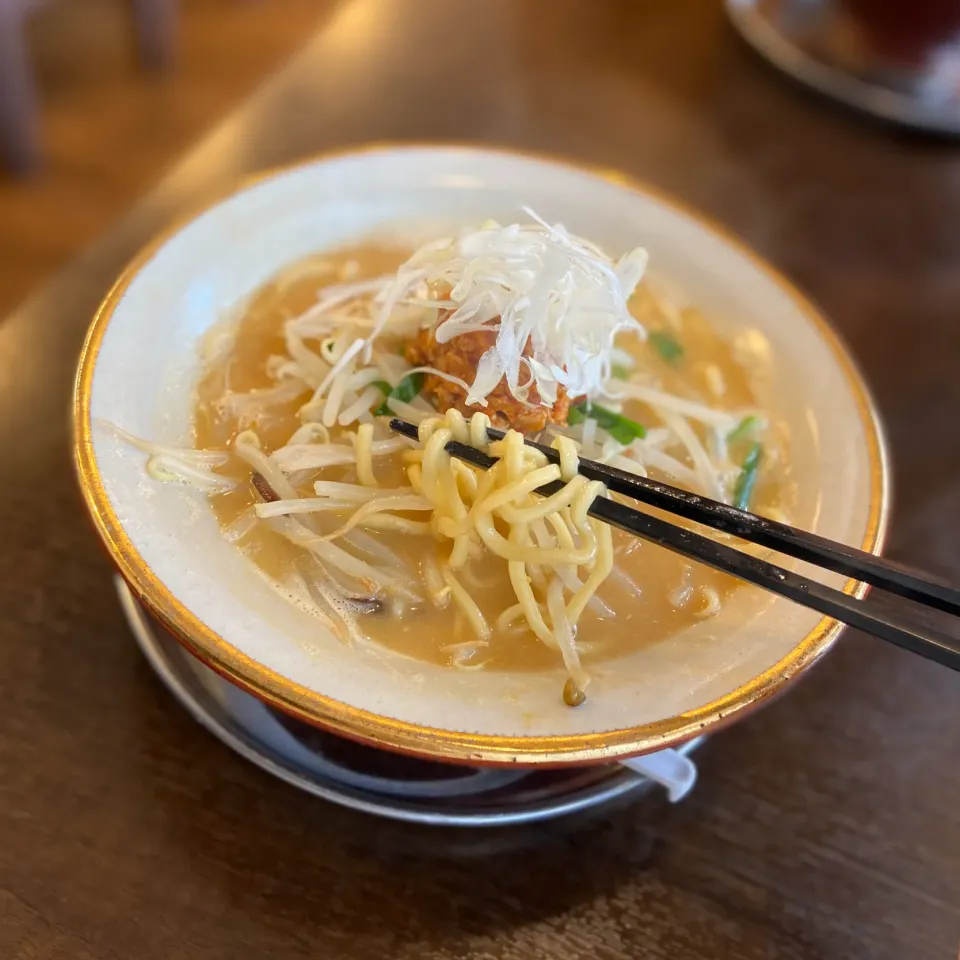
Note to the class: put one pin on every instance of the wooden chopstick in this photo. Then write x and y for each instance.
(892, 626)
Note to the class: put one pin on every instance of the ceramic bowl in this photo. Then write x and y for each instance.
(138, 371)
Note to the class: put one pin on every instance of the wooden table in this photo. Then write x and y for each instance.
(828, 826)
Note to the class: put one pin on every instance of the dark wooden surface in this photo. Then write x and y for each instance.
(828, 826)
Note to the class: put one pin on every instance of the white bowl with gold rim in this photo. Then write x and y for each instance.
(141, 362)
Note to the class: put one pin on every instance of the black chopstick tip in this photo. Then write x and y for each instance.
(406, 429)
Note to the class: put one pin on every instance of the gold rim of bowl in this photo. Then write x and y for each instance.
(456, 746)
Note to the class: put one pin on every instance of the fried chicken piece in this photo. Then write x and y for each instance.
(461, 357)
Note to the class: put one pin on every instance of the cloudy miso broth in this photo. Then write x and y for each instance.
(651, 594)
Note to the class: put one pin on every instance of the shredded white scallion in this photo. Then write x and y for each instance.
(555, 301)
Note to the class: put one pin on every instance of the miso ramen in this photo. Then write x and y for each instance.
(526, 329)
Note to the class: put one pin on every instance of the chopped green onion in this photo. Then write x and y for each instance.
(405, 391)
(745, 428)
(408, 388)
(620, 372)
(382, 386)
(667, 345)
(748, 477)
(621, 428)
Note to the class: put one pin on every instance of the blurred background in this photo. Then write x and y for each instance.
(821, 132)
(116, 90)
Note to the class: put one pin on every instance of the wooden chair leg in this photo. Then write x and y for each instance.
(155, 22)
(19, 116)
